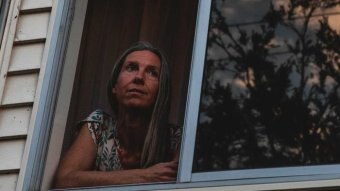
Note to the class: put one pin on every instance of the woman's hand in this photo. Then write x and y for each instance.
(161, 172)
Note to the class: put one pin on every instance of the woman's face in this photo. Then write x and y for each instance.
(137, 82)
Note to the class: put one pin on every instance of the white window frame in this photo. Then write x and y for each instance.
(49, 128)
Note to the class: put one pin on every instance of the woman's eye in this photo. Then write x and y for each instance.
(131, 67)
(153, 73)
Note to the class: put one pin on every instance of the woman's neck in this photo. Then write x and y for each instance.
(132, 128)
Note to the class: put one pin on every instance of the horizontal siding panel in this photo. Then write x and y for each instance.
(19, 89)
(35, 4)
(11, 154)
(14, 121)
(32, 26)
(8, 182)
(25, 57)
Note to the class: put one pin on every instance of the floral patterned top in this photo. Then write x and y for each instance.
(103, 131)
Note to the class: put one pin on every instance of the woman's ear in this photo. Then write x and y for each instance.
(114, 90)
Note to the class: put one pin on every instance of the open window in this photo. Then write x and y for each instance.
(107, 28)
(110, 28)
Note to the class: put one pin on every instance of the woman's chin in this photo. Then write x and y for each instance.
(138, 106)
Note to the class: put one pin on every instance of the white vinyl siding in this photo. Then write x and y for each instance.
(8, 181)
(11, 154)
(14, 121)
(36, 4)
(26, 57)
(21, 63)
(32, 26)
(20, 89)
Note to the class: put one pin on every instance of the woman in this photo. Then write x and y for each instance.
(133, 145)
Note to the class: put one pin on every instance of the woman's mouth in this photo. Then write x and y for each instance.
(135, 90)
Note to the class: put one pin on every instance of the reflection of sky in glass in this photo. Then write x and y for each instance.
(283, 35)
(238, 12)
(319, 11)
(241, 13)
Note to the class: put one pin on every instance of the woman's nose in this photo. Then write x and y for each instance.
(139, 78)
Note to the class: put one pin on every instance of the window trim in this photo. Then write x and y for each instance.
(298, 173)
(194, 91)
(65, 91)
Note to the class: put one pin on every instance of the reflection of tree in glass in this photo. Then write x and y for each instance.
(262, 108)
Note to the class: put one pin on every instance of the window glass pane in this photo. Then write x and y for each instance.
(271, 91)
(4, 4)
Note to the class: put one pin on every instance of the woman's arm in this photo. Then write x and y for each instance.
(76, 169)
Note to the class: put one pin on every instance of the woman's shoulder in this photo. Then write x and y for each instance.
(97, 116)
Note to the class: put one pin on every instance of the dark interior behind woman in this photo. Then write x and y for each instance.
(136, 144)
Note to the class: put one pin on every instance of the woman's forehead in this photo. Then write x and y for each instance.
(143, 56)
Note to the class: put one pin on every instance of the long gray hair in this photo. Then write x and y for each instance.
(156, 140)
